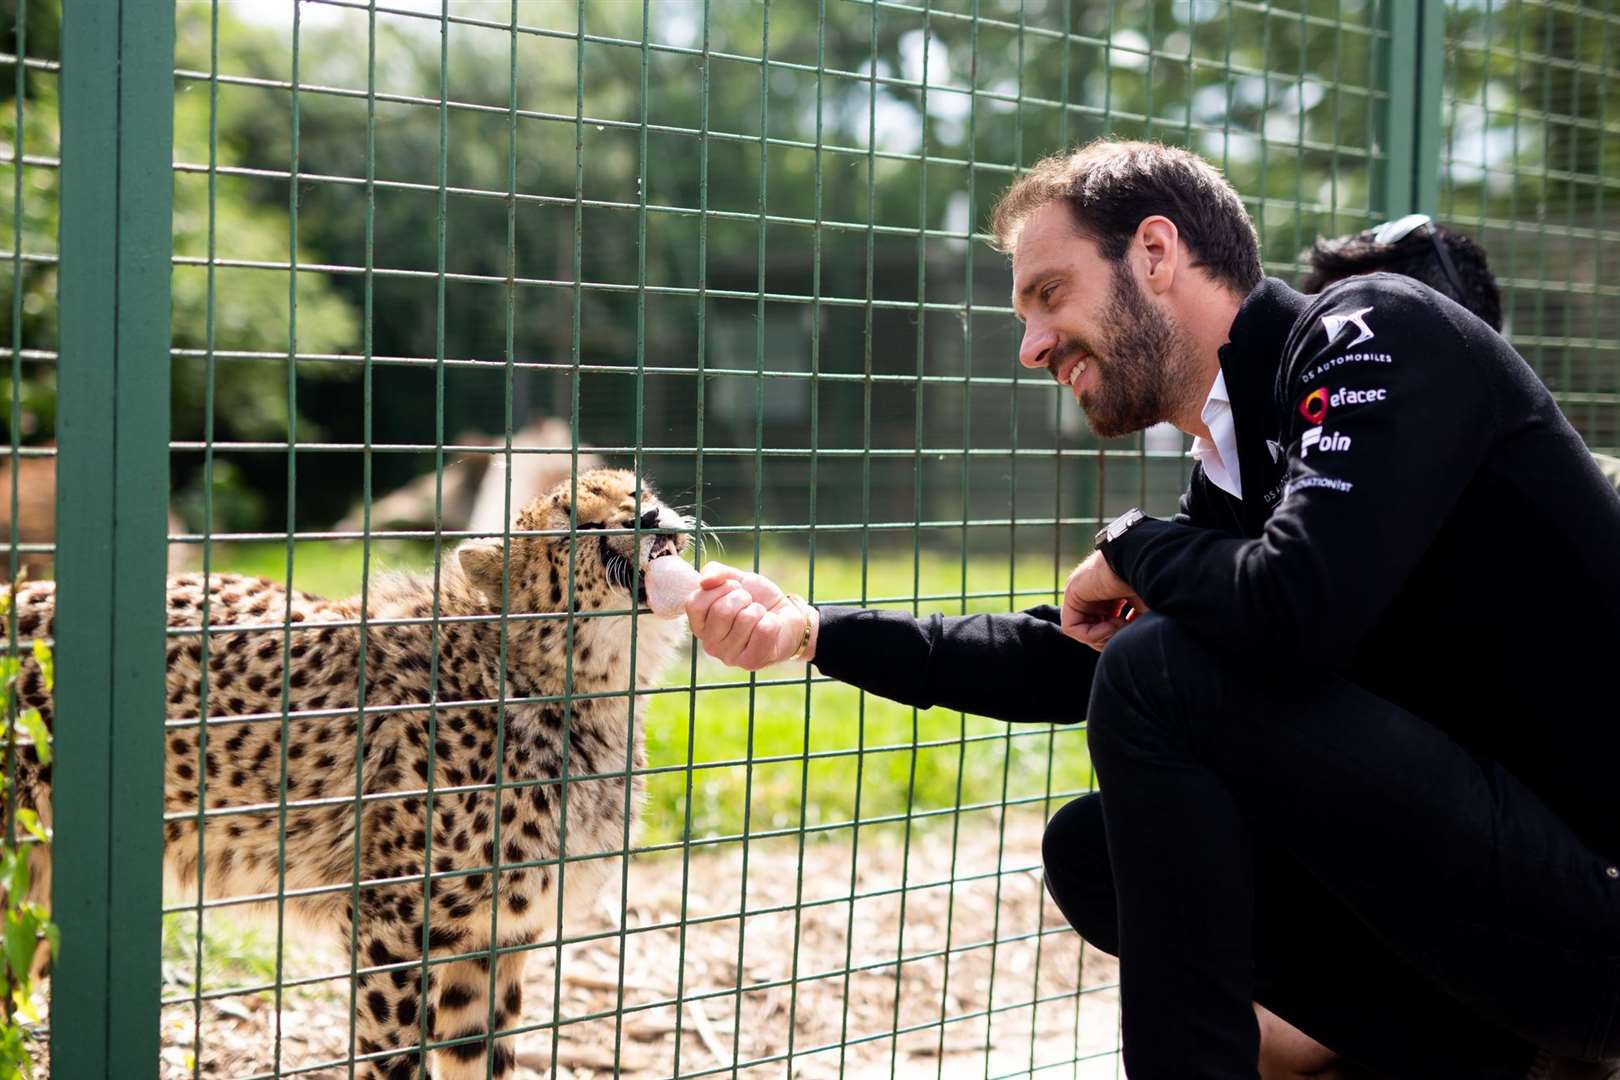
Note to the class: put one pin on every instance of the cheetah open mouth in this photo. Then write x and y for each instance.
(620, 573)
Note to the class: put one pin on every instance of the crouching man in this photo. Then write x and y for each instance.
(1358, 804)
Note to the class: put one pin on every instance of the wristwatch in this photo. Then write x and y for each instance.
(1118, 528)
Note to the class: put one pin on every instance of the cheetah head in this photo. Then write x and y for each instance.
(603, 556)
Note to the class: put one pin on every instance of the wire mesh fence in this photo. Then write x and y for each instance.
(432, 261)
(1530, 163)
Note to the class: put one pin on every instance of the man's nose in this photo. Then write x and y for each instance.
(1037, 346)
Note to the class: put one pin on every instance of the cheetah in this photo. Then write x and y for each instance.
(425, 788)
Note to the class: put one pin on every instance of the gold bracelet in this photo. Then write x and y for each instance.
(804, 610)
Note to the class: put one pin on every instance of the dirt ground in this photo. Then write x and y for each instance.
(1053, 1012)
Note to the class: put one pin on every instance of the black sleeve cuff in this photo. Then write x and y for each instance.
(1016, 667)
(886, 652)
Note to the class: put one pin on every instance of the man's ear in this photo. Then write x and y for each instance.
(481, 562)
(1161, 244)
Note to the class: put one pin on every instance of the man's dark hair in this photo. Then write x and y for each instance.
(1414, 256)
(1111, 185)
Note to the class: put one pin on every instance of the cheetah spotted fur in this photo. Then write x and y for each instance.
(593, 730)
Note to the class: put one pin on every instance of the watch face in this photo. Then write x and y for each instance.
(1117, 527)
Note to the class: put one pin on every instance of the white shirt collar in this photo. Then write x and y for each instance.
(1218, 454)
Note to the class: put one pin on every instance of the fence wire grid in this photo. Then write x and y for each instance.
(423, 261)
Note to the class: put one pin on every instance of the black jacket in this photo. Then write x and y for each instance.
(1418, 517)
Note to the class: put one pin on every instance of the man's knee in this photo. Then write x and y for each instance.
(1139, 663)
(1153, 675)
(1075, 845)
(1074, 853)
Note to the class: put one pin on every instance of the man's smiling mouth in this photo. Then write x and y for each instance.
(1067, 376)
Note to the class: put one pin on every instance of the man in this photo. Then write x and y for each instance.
(1445, 260)
(1353, 767)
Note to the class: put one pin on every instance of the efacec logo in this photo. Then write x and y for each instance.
(1348, 396)
(1316, 404)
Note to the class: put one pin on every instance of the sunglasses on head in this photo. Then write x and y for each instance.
(1393, 232)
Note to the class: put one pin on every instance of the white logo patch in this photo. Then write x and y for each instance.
(1348, 396)
(1314, 439)
(1332, 483)
(1276, 449)
(1312, 374)
(1335, 323)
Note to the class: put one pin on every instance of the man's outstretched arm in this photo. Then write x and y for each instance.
(1017, 667)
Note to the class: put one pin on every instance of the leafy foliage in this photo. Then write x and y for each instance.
(248, 300)
(24, 923)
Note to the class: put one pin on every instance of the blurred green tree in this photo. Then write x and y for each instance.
(1287, 97)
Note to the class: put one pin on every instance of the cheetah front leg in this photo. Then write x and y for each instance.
(461, 1011)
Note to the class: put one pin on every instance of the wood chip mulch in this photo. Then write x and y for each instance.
(1020, 997)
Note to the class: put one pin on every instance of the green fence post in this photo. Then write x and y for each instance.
(112, 498)
(1431, 35)
(1407, 179)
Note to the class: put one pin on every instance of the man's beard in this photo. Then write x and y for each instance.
(1143, 366)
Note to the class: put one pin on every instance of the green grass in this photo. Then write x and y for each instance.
(723, 724)
(237, 950)
(722, 730)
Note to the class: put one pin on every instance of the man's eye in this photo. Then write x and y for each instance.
(1046, 293)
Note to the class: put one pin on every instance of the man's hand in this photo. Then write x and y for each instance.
(744, 620)
(1094, 600)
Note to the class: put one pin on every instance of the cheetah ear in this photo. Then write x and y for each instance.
(481, 562)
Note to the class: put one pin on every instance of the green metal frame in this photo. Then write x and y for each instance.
(113, 426)
(1408, 177)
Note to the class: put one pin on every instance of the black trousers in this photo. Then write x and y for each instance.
(1334, 857)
